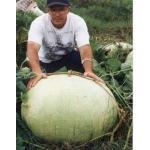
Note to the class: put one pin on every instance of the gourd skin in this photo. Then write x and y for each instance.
(69, 108)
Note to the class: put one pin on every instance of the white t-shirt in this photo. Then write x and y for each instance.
(58, 42)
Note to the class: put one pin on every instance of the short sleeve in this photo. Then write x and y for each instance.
(35, 33)
(81, 33)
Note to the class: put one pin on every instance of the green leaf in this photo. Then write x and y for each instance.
(113, 64)
(20, 86)
(25, 70)
(22, 34)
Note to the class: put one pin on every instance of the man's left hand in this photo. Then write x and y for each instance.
(94, 76)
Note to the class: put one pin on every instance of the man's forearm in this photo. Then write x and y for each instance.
(33, 57)
(86, 57)
(88, 66)
(32, 54)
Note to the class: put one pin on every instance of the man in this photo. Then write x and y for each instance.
(56, 39)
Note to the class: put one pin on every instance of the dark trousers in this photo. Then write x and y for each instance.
(72, 61)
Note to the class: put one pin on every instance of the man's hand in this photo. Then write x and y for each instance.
(34, 80)
(94, 76)
(86, 57)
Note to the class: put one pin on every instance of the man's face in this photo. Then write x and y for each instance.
(59, 15)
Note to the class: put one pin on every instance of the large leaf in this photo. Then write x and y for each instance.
(113, 65)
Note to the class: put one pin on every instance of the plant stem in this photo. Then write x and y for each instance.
(128, 136)
(122, 116)
(107, 134)
(41, 147)
(117, 72)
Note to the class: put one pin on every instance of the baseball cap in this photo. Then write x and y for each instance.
(57, 2)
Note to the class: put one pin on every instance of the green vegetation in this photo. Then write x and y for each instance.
(107, 18)
(108, 21)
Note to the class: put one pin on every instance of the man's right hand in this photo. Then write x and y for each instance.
(32, 82)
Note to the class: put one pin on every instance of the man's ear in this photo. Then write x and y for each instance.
(46, 9)
(69, 8)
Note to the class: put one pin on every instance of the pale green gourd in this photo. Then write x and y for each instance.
(69, 108)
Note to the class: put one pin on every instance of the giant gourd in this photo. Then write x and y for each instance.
(69, 108)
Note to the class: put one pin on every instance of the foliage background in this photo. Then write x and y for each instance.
(108, 21)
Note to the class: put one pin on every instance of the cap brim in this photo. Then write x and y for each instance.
(57, 3)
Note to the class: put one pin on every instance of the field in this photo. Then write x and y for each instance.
(109, 22)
